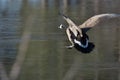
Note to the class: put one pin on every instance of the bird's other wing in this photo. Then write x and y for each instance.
(67, 19)
(97, 20)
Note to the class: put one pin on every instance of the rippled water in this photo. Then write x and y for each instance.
(32, 46)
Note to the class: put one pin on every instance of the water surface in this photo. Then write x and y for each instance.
(30, 39)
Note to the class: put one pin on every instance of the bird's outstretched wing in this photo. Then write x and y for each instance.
(97, 20)
(69, 21)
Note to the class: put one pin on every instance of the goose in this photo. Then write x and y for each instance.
(77, 34)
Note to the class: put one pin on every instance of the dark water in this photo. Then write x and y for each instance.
(32, 46)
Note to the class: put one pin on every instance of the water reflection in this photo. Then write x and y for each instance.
(30, 40)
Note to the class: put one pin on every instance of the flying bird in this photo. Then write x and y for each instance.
(77, 34)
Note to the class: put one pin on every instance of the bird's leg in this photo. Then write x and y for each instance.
(69, 47)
